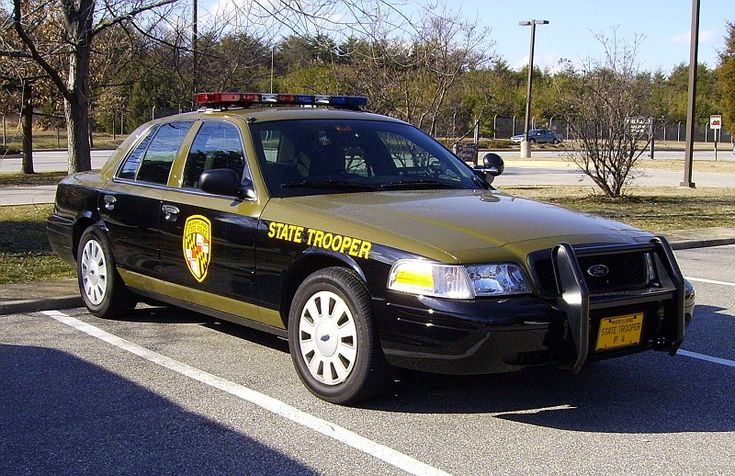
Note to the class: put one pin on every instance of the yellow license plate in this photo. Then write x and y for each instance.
(619, 331)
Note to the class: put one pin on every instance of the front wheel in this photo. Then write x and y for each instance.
(332, 338)
(102, 289)
(532, 141)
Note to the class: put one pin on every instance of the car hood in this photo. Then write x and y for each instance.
(450, 225)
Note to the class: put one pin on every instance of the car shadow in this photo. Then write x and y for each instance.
(644, 393)
(650, 392)
(64, 415)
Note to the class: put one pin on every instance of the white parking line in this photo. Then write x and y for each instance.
(710, 281)
(708, 358)
(343, 435)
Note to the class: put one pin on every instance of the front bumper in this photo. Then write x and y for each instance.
(501, 335)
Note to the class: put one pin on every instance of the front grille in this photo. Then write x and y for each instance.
(626, 271)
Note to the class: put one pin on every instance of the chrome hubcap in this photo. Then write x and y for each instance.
(328, 338)
(94, 272)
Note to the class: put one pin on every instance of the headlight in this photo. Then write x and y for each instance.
(429, 279)
(497, 279)
(456, 282)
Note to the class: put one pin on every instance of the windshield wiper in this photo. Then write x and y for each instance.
(416, 184)
(329, 184)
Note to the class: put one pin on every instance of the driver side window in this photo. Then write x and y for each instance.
(217, 146)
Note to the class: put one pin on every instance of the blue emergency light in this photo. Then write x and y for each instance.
(227, 99)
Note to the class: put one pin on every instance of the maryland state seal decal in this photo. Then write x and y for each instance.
(198, 246)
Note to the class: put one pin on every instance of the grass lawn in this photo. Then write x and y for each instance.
(25, 254)
(41, 178)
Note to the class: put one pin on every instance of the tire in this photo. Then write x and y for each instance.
(331, 302)
(101, 287)
(556, 142)
(532, 141)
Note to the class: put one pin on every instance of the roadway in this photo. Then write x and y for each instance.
(517, 172)
(168, 391)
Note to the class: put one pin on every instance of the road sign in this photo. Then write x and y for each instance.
(640, 125)
(715, 121)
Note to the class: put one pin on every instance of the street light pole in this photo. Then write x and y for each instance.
(691, 97)
(525, 149)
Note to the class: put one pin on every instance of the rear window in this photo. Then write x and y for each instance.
(152, 159)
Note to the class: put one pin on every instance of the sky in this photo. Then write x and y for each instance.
(663, 24)
(573, 24)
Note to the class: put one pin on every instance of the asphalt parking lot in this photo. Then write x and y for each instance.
(168, 391)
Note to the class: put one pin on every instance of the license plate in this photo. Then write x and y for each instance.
(619, 331)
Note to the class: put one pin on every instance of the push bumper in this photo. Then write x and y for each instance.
(501, 335)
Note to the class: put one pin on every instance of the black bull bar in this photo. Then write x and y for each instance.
(575, 300)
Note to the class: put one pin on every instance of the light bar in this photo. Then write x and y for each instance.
(225, 99)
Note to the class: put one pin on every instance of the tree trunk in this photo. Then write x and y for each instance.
(76, 110)
(26, 115)
(77, 131)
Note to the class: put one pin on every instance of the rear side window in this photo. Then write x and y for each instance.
(217, 146)
(151, 161)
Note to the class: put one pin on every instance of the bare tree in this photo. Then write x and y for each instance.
(58, 36)
(605, 106)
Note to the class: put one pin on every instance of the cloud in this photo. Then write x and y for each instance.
(706, 37)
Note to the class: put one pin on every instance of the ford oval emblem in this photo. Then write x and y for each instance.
(598, 270)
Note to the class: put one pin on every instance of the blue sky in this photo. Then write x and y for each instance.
(664, 23)
(574, 23)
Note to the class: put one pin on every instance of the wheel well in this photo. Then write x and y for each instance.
(79, 227)
(300, 271)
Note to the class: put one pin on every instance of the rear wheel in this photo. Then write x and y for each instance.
(532, 141)
(102, 289)
(332, 338)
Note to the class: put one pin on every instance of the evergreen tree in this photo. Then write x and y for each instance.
(726, 76)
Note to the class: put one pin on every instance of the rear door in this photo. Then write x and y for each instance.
(130, 204)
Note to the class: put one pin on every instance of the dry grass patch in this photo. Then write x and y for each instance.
(657, 209)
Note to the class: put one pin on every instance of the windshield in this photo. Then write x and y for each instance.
(308, 157)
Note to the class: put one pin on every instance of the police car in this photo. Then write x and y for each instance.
(364, 242)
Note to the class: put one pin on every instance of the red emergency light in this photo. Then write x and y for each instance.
(227, 99)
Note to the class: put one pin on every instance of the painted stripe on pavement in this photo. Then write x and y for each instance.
(343, 435)
(708, 358)
(710, 281)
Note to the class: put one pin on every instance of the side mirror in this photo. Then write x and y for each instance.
(225, 182)
(492, 165)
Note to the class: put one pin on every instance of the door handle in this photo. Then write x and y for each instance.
(170, 212)
(109, 202)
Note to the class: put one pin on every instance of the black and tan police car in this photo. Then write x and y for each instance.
(364, 242)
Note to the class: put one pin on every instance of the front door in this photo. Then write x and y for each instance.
(208, 240)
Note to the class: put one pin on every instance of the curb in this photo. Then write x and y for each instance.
(685, 245)
(44, 304)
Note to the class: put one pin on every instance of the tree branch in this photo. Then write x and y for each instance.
(28, 42)
(128, 16)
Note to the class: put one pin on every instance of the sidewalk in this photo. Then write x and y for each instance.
(64, 293)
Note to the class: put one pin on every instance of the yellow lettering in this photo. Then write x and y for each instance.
(364, 249)
(283, 231)
(327, 243)
(272, 229)
(346, 242)
(353, 247)
(337, 242)
(311, 233)
(318, 238)
(297, 234)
